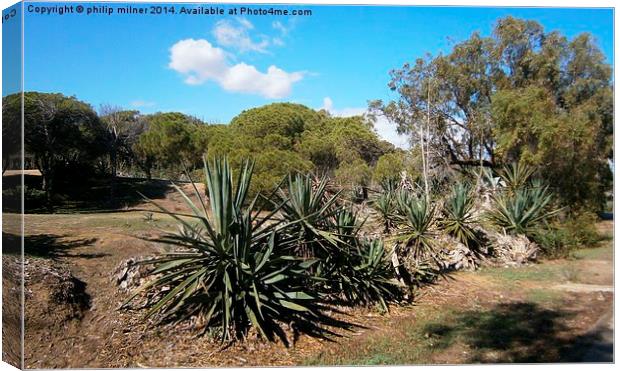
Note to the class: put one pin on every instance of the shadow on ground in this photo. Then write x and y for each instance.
(48, 246)
(88, 195)
(520, 333)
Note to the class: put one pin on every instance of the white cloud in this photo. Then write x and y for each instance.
(277, 25)
(236, 35)
(245, 23)
(141, 104)
(328, 104)
(283, 31)
(276, 83)
(199, 62)
(387, 131)
(384, 128)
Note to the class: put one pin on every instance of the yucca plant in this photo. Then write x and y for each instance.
(420, 272)
(357, 270)
(374, 277)
(520, 212)
(385, 207)
(457, 214)
(346, 226)
(232, 268)
(516, 175)
(306, 205)
(414, 227)
(329, 233)
(389, 185)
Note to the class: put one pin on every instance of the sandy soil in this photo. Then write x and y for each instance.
(91, 246)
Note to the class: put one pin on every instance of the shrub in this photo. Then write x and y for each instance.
(554, 241)
(384, 206)
(583, 227)
(389, 166)
(233, 267)
(522, 211)
(559, 239)
(516, 175)
(414, 222)
(457, 214)
(347, 269)
(33, 198)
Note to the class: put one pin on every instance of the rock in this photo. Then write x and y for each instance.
(130, 274)
(457, 256)
(513, 250)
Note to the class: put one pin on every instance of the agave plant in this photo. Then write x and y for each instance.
(346, 270)
(414, 223)
(389, 185)
(374, 277)
(309, 208)
(346, 226)
(231, 267)
(457, 214)
(520, 212)
(357, 270)
(384, 205)
(516, 175)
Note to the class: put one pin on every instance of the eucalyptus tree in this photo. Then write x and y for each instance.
(519, 94)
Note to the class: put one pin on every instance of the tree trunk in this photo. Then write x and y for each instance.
(47, 188)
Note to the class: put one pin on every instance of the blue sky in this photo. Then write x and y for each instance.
(214, 67)
(11, 49)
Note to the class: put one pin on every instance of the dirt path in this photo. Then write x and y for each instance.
(495, 315)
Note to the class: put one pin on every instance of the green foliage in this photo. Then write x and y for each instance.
(555, 241)
(337, 143)
(522, 211)
(11, 128)
(516, 175)
(519, 95)
(272, 165)
(389, 185)
(170, 141)
(348, 269)
(233, 266)
(583, 227)
(457, 214)
(415, 219)
(287, 120)
(310, 207)
(389, 167)
(356, 173)
(372, 278)
(559, 239)
(385, 206)
(60, 133)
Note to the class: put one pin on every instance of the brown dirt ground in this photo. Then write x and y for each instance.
(91, 246)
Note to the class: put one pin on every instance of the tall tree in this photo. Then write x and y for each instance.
(515, 95)
(11, 129)
(58, 131)
(169, 141)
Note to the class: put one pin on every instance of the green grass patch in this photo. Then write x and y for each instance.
(544, 296)
(523, 332)
(513, 275)
(413, 340)
(597, 253)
